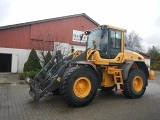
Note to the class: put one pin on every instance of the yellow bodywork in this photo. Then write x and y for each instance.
(120, 58)
(111, 76)
(109, 73)
(151, 75)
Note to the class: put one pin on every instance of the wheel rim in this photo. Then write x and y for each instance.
(137, 83)
(82, 87)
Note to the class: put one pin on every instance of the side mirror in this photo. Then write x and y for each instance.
(87, 32)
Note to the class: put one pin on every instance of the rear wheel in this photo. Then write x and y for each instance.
(79, 86)
(135, 85)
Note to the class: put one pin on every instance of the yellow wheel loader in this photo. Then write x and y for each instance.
(103, 65)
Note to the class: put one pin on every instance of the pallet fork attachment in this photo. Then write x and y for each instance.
(48, 79)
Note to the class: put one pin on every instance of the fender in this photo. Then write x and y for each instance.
(128, 64)
(92, 67)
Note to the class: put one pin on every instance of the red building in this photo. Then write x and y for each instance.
(17, 40)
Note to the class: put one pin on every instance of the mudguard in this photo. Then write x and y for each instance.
(128, 64)
(92, 67)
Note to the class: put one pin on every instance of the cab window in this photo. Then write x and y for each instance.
(115, 42)
(116, 39)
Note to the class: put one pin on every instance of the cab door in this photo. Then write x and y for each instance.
(115, 46)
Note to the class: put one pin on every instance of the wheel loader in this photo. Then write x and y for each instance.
(103, 65)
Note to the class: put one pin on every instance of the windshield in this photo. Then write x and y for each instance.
(96, 36)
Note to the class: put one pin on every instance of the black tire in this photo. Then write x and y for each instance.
(56, 92)
(138, 89)
(67, 86)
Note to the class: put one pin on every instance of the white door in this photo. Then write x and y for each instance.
(14, 63)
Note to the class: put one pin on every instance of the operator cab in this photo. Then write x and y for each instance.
(106, 39)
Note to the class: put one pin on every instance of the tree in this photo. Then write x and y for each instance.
(133, 41)
(32, 64)
(154, 53)
(47, 58)
(64, 47)
(49, 41)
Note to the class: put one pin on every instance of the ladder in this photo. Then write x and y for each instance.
(118, 79)
(118, 76)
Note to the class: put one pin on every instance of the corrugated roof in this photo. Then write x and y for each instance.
(48, 20)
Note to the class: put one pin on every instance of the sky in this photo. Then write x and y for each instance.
(142, 16)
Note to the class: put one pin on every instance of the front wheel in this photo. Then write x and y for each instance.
(79, 86)
(135, 84)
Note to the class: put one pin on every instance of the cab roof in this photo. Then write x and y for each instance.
(113, 27)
